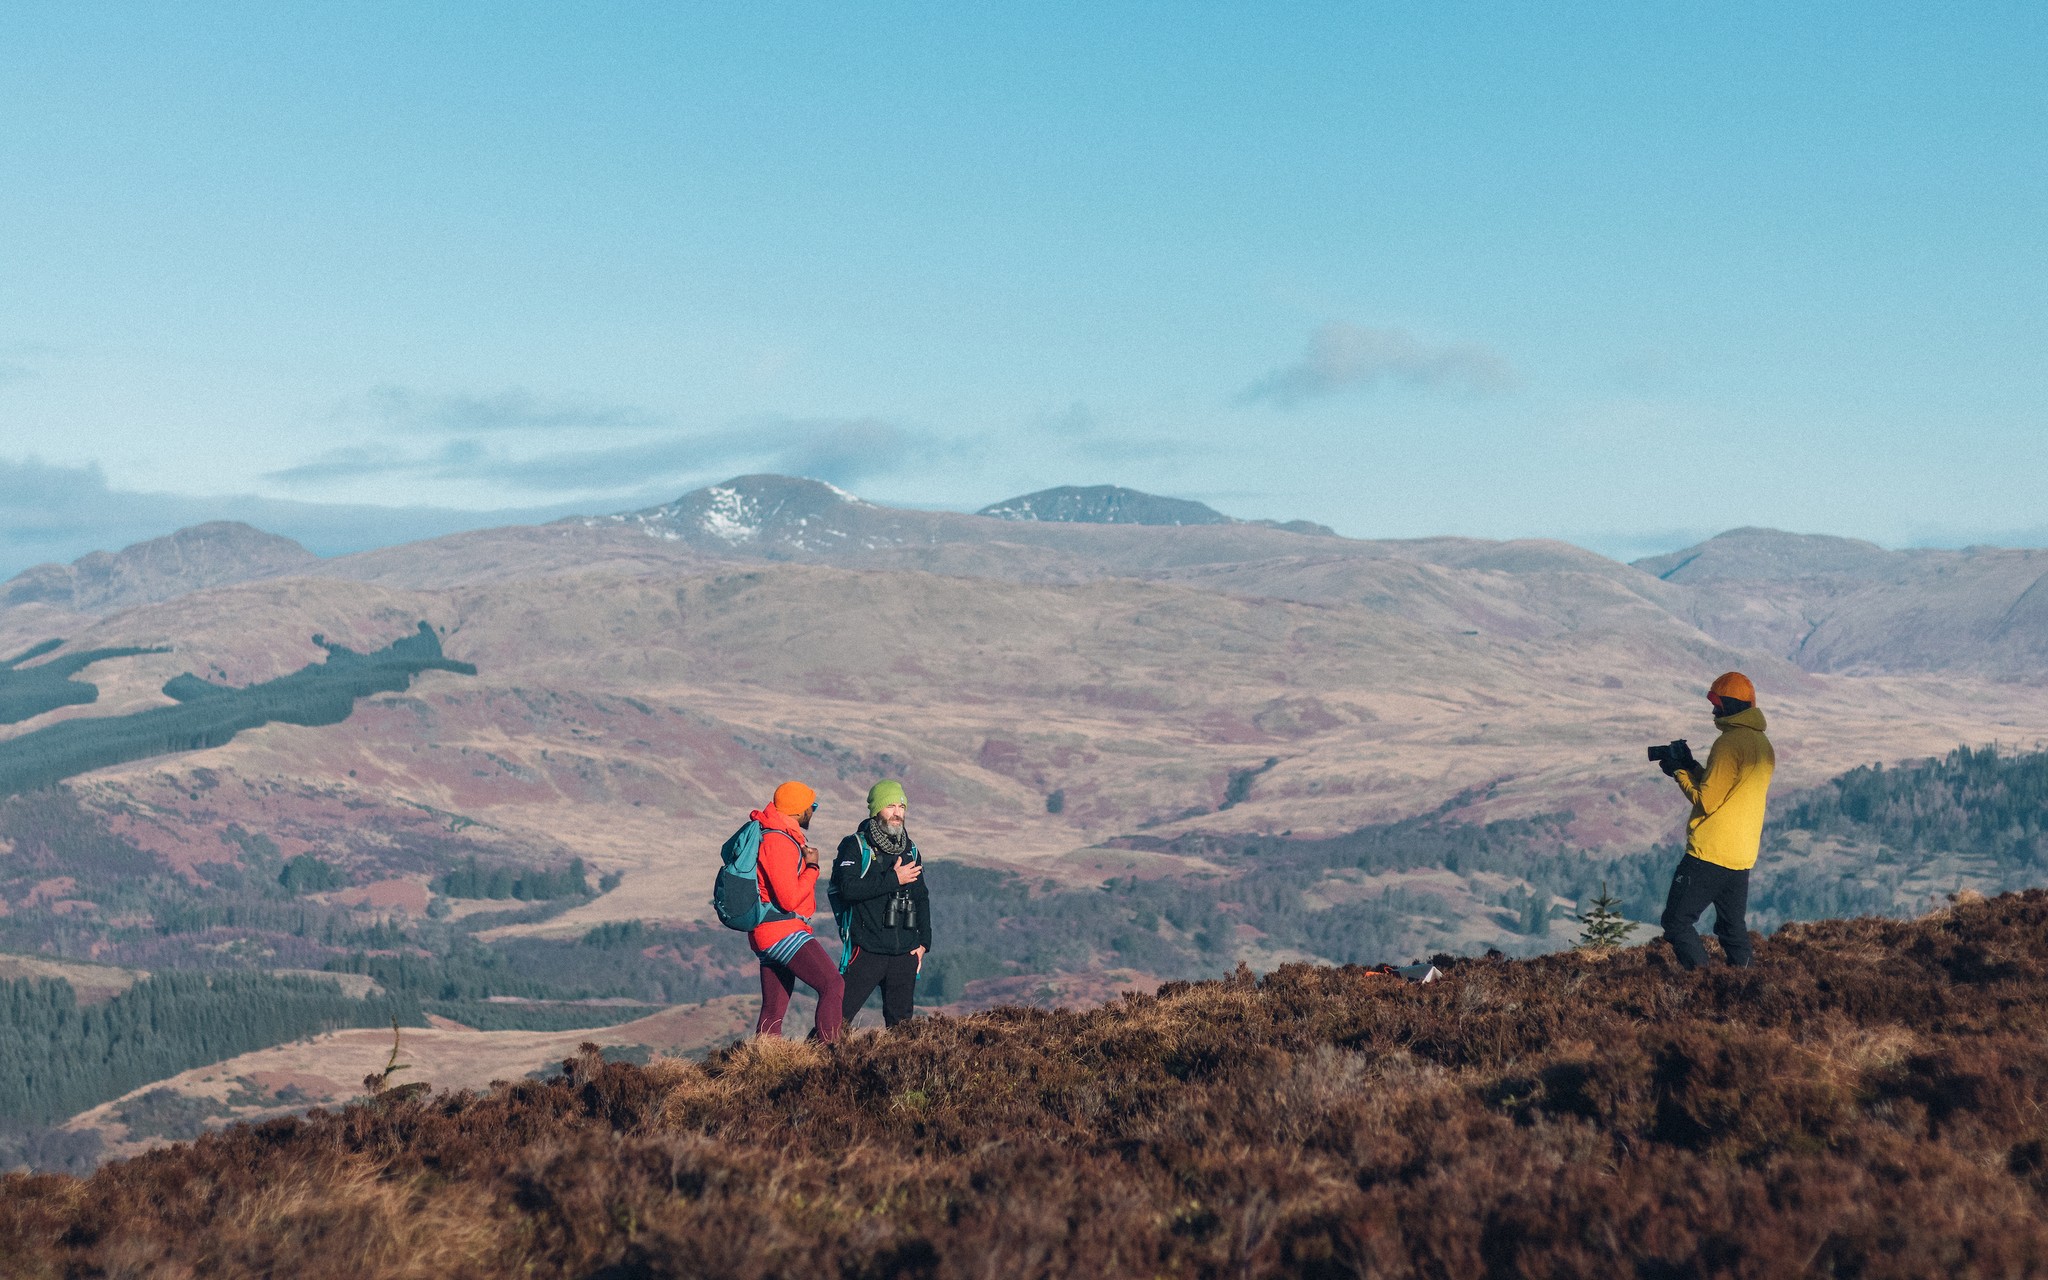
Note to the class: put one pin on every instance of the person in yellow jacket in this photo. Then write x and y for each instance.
(1726, 826)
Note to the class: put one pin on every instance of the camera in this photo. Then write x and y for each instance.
(1675, 755)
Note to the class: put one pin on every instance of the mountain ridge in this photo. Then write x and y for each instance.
(1825, 604)
(1842, 605)
(1115, 504)
(1103, 504)
(190, 559)
(785, 517)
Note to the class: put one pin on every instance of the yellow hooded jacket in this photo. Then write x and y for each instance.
(1727, 822)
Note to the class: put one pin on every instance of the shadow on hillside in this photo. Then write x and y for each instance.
(27, 692)
(210, 715)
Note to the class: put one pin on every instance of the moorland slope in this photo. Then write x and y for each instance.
(1867, 1100)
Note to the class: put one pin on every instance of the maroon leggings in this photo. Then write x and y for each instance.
(819, 972)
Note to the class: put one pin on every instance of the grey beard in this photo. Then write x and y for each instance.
(889, 838)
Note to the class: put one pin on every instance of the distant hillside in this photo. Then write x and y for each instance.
(1103, 504)
(1821, 603)
(1768, 555)
(205, 555)
(1824, 604)
(1839, 605)
(1865, 1101)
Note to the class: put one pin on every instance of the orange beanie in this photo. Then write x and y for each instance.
(1733, 685)
(794, 798)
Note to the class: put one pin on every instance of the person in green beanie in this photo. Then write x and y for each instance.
(883, 908)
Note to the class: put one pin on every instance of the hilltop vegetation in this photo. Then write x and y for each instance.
(1866, 1101)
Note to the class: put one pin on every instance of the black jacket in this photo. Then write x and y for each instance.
(869, 897)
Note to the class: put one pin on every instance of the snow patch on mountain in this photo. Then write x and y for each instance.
(730, 515)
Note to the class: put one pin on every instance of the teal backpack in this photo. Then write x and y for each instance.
(842, 913)
(736, 894)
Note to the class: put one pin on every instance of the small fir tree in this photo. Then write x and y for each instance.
(1606, 927)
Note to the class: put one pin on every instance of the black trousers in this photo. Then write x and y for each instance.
(1695, 886)
(896, 975)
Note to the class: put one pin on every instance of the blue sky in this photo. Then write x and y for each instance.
(1622, 276)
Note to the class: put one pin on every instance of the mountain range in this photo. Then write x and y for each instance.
(1821, 603)
(1078, 642)
(1075, 701)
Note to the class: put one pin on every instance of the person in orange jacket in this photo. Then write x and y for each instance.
(1725, 829)
(789, 952)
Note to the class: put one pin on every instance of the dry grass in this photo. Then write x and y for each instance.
(1868, 1101)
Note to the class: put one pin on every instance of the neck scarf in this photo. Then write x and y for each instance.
(882, 842)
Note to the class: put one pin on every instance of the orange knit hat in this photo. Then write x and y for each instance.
(1733, 685)
(794, 798)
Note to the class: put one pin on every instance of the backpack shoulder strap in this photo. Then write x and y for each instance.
(842, 913)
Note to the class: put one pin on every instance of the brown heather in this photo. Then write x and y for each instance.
(1867, 1101)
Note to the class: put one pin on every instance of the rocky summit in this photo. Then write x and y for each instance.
(1104, 504)
(204, 555)
(757, 513)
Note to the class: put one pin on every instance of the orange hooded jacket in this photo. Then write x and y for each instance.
(785, 881)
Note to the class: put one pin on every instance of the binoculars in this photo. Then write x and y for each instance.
(902, 913)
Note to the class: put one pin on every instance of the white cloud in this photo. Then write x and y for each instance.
(1343, 357)
(842, 451)
(514, 409)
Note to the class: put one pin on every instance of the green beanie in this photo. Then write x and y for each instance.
(885, 793)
